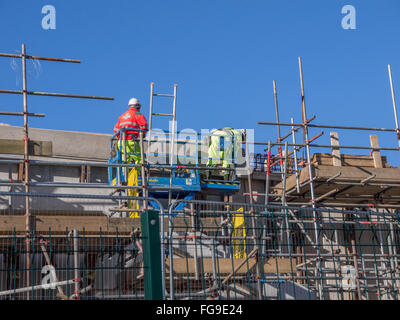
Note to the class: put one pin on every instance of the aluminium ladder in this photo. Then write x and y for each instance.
(173, 115)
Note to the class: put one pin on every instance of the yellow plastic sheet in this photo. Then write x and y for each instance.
(239, 230)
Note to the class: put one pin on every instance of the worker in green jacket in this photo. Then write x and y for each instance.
(224, 148)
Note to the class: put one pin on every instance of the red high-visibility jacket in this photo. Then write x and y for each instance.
(131, 119)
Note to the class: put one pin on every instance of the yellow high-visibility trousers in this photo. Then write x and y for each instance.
(132, 151)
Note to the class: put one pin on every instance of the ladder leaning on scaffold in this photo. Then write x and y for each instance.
(172, 138)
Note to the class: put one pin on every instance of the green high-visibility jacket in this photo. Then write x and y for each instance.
(224, 147)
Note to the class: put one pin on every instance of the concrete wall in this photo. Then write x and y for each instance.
(69, 146)
(66, 144)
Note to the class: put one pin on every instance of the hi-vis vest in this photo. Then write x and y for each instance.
(224, 145)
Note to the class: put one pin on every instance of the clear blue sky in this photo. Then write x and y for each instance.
(222, 54)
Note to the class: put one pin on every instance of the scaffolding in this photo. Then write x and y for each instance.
(323, 226)
(24, 92)
(369, 176)
(335, 181)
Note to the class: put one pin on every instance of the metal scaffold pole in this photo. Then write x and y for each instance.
(296, 168)
(279, 140)
(284, 204)
(143, 170)
(394, 104)
(172, 149)
(326, 126)
(254, 226)
(151, 112)
(276, 110)
(29, 232)
(76, 263)
(277, 121)
(310, 172)
(26, 168)
(267, 173)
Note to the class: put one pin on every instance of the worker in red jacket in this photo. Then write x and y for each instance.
(130, 120)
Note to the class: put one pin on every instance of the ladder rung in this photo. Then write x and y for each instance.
(163, 95)
(163, 114)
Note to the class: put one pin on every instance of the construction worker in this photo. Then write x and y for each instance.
(130, 120)
(224, 148)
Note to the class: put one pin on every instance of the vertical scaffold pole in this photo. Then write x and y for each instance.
(254, 224)
(76, 263)
(26, 168)
(197, 262)
(394, 104)
(296, 168)
(249, 182)
(268, 173)
(151, 110)
(124, 157)
(287, 229)
(172, 149)
(143, 171)
(310, 171)
(171, 253)
(277, 122)
(276, 110)
(174, 106)
(150, 126)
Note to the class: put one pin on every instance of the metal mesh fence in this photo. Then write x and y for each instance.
(71, 266)
(242, 251)
(78, 247)
(213, 250)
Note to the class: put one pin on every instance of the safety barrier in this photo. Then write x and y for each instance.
(222, 250)
(194, 250)
(72, 266)
(77, 252)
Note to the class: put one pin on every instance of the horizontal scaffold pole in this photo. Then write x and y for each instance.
(9, 55)
(51, 94)
(114, 165)
(324, 146)
(327, 126)
(5, 113)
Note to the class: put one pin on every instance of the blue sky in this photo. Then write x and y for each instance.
(222, 54)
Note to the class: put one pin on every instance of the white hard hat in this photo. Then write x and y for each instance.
(134, 102)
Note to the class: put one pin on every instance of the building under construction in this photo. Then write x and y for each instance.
(268, 220)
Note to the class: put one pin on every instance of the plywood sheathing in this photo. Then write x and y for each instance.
(226, 266)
